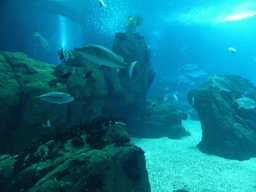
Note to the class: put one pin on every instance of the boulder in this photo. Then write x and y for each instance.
(96, 156)
(163, 120)
(229, 131)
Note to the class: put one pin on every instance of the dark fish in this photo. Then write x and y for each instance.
(102, 4)
(61, 54)
(66, 75)
(88, 74)
(65, 54)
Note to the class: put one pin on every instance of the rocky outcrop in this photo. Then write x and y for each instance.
(96, 156)
(229, 131)
(163, 120)
(98, 91)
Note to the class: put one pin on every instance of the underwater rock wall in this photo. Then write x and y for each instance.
(96, 156)
(98, 91)
(228, 125)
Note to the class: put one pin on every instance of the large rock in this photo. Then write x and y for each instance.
(162, 120)
(228, 131)
(98, 91)
(96, 156)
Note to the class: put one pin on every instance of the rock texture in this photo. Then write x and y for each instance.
(96, 156)
(163, 120)
(228, 131)
(98, 91)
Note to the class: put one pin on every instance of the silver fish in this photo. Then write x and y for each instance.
(221, 83)
(232, 49)
(183, 79)
(56, 97)
(44, 43)
(195, 74)
(103, 56)
(189, 67)
(245, 102)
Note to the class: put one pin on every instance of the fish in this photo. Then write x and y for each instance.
(165, 98)
(183, 79)
(43, 42)
(56, 97)
(65, 54)
(102, 4)
(189, 67)
(232, 49)
(103, 56)
(166, 89)
(221, 83)
(175, 97)
(245, 102)
(88, 74)
(47, 124)
(66, 75)
(195, 74)
(182, 50)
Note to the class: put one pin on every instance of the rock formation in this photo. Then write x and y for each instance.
(96, 156)
(98, 91)
(163, 120)
(228, 130)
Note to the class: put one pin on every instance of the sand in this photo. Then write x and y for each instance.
(178, 164)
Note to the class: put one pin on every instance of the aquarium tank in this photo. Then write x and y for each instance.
(128, 96)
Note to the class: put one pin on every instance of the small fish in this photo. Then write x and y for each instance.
(175, 97)
(103, 56)
(232, 49)
(196, 73)
(65, 54)
(102, 4)
(166, 89)
(44, 43)
(221, 83)
(245, 102)
(183, 79)
(192, 100)
(60, 53)
(182, 50)
(165, 98)
(88, 74)
(66, 75)
(47, 124)
(56, 97)
(189, 67)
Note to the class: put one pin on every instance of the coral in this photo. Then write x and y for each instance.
(133, 22)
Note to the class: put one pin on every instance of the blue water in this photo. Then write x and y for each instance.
(197, 27)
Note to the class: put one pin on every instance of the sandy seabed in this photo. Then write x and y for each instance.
(178, 164)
